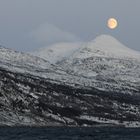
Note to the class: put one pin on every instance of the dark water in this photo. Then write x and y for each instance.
(104, 133)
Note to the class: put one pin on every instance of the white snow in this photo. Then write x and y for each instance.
(106, 46)
(130, 124)
(57, 52)
(12, 57)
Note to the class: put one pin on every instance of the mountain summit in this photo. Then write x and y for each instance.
(107, 46)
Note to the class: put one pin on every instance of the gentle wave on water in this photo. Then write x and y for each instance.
(65, 133)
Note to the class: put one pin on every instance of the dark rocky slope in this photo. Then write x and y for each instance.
(31, 100)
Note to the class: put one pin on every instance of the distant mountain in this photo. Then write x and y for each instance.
(95, 83)
(106, 46)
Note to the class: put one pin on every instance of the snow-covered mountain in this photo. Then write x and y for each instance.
(107, 64)
(97, 63)
(101, 46)
(93, 83)
(106, 46)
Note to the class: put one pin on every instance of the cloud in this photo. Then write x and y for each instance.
(49, 34)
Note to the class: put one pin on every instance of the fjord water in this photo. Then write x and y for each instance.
(65, 133)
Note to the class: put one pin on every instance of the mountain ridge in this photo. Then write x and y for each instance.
(103, 45)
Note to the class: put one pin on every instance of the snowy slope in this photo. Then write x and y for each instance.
(18, 58)
(106, 46)
(18, 62)
(103, 63)
(107, 65)
(57, 52)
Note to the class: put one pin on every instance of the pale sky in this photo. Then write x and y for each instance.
(26, 25)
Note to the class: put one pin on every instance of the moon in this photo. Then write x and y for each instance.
(112, 23)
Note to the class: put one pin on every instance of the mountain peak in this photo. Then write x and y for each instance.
(105, 37)
(107, 46)
(109, 42)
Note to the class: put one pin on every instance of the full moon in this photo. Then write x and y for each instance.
(112, 23)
